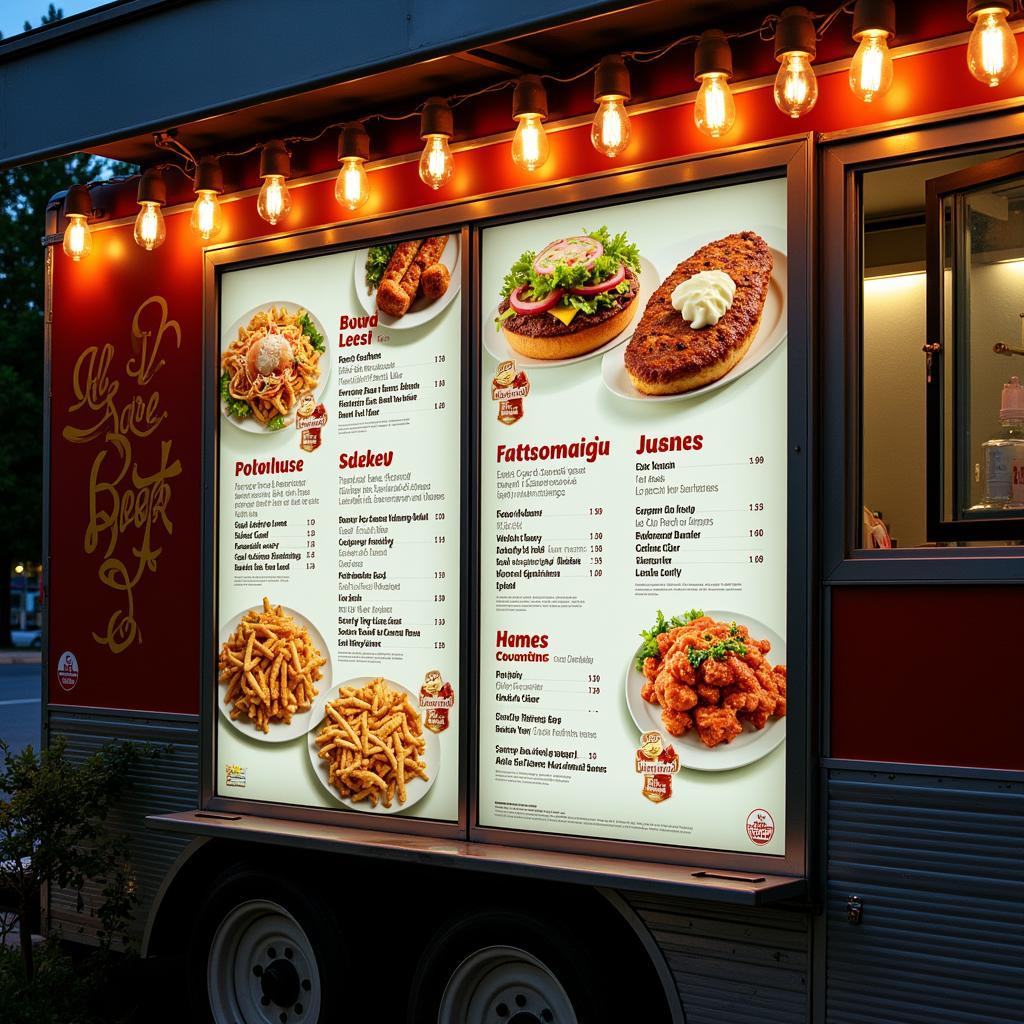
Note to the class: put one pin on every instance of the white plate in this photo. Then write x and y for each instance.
(423, 309)
(416, 788)
(249, 424)
(299, 725)
(771, 333)
(749, 746)
(496, 344)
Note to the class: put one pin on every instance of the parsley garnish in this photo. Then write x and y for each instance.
(649, 648)
(377, 260)
(717, 651)
(316, 339)
(236, 407)
(277, 423)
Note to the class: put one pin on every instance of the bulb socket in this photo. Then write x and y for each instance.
(611, 80)
(874, 16)
(436, 118)
(209, 177)
(152, 187)
(713, 55)
(77, 202)
(530, 97)
(353, 142)
(794, 33)
(975, 7)
(275, 160)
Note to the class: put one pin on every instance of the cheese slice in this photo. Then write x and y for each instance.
(564, 313)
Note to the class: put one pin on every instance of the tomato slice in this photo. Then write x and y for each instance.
(602, 286)
(528, 307)
(579, 249)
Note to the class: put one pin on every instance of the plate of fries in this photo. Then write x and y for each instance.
(271, 669)
(368, 747)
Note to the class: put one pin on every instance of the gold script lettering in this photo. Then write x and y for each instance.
(128, 507)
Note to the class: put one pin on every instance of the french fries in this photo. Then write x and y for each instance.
(270, 667)
(372, 741)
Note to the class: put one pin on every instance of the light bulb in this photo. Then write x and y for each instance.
(436, 163)
(206, 220)
(714, 112)
(77, 237)
(610, 131)
(871, 69)
(992, 49)
(150, 230)
(530, 145)
(352, 187)
(274, 200)
(796, 86)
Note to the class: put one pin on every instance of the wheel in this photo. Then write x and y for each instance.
(262, 953)
(37, 643)
(500, 966)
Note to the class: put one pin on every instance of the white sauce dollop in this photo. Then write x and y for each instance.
(704, 298)
(268, 355)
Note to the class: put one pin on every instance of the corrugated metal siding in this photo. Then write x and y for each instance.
(939, 864)
(732, 965)
(167, 783)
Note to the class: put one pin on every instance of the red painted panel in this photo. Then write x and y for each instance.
(927, 675)
(124, 577)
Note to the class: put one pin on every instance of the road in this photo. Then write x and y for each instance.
(19, 705)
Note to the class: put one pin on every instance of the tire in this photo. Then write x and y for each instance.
(37, 644)
(500, 966)
(262, 952)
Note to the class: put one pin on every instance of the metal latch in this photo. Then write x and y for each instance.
(854, 909)
(929, 350)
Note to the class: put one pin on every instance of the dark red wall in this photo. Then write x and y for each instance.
(928, 675)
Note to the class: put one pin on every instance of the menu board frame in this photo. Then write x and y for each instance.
(793, 160)
(245, 256)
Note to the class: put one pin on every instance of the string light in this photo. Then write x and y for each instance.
(992, 49)
(436, 128)
(874, 24)
(206, 220)
(352, 187)
(77, 210)
(610, 131)
(796, 86)
(274, 201)
(530, 147)
(714, 111)
(150, 229)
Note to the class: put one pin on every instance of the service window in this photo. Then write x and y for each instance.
(939, 377)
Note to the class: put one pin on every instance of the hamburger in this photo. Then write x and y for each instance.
(572, 297)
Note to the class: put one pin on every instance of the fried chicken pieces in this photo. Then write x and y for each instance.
(713, 676)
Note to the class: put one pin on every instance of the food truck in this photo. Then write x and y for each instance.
(552, 480)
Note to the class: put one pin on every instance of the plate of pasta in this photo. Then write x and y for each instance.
(272, 360)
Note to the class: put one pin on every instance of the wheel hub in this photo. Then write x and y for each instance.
(281, 983)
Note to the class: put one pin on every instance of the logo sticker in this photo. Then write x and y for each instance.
(437, 698)
(508, 389)
(67, 671)
(310, 421)
(657, 764)
(760, 826)
(234, 775)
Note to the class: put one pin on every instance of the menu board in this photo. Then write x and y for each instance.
(339, 534)
(633, 522)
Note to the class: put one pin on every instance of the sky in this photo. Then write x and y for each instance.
(14, 13)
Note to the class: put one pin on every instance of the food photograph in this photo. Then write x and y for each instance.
(369, 749)
(271, 667)
(407, 284)
(716, 681)
(719, 313)
(575, 298)
(272, 361)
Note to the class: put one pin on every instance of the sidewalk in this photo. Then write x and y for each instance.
(20, 657)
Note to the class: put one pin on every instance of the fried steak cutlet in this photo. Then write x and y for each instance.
(667, 356)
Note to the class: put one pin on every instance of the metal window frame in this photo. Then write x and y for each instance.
(955, 186)
(844, 159)
(792, 159)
